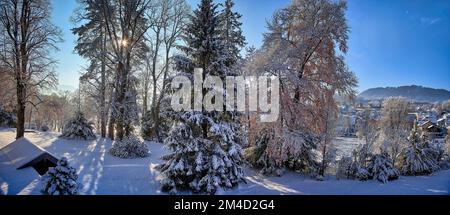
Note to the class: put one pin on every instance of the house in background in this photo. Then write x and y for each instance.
(444, 121)
(432, 130)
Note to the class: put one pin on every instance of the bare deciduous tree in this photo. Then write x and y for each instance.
(167, 19)
(394, 126)
(300, 48)
(367, 127)
(30, 35)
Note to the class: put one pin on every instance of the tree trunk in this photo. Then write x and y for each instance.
(157, 106)
(154, 61)
(22, 62)
(103, 116)
(103, 90)
(324, 155)
(110, 112)
(29, 118)
(146, 80)
(111, 127)
(157, 122)
(20, 127)
(145, 100)
(120, 92)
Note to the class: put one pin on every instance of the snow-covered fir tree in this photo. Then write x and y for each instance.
(78, 128)
(356, 166)
(361, 173)
(420, 157)
(382, 168)
(206, 147)
(362, 157)
(231, 33)
(199, 163)
(364, 165)
(129, 147)
(61, 179)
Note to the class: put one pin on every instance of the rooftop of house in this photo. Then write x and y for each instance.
(18, 161)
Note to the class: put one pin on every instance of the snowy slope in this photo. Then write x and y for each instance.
(101, 173)
(295, 184)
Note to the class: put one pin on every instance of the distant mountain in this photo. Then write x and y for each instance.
(414, 93)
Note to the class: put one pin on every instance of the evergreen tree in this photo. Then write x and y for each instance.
(78, 128)
(420, 157)
(206, 146)
(364, 165)
(362, 158)
(231, 33)
(382, 168)
(60, 180)
(129, 147)
(202, 36)
(356, 166)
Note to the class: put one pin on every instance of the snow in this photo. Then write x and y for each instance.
(101, 173)
(345, 146)
(293, 183)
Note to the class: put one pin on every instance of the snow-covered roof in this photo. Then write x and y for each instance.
(21, 151)
(424, 123)
(14, 157)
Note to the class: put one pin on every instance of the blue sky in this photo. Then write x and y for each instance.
(392, 42)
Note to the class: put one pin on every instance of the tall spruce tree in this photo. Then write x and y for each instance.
(231, 32)
(206, 146)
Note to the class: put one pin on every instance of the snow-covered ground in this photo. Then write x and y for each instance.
(101, 173)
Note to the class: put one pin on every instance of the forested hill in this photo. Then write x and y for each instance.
(415, 93)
